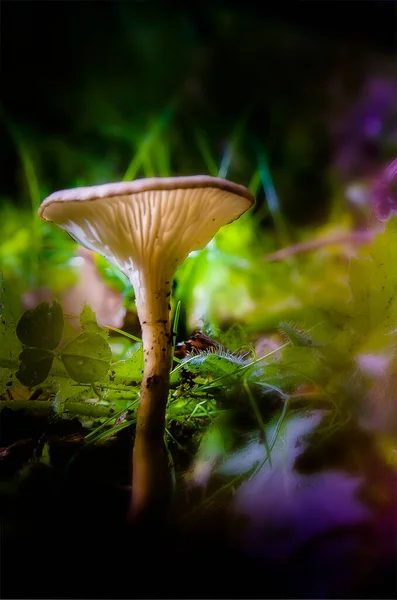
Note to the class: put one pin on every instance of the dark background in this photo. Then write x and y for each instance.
(81, 81)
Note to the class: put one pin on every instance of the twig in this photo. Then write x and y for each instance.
(355, 237)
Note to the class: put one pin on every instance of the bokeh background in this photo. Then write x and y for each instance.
(86, 84)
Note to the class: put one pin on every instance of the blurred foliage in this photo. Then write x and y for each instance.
(329, 356)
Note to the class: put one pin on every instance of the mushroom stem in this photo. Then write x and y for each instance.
(150, 472)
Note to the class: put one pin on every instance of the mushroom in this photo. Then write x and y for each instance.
(147, 228)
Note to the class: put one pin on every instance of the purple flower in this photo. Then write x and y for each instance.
(367, 128)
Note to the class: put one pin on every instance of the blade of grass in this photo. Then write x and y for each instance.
(171, 462)
(271, 196)
(91, 435)
(163, 158)
(175, 327)
(124, 333)
(115, 329)
(235, 138)
(204, 148)
(254, 186)
(106, 434)
(33, 186)
(231, 147)
(258, 417)
(275, 437)
(147, 164)
(142, 152)
(255, 182)
(200, 405)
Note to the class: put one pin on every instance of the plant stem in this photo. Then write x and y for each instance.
(354, 237)
(85, 409)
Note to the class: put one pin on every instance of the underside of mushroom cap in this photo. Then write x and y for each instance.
(148, 222)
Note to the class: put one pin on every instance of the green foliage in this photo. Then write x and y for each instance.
(66, 368)
(65, 390)
(10, 346)
(123, 378)
(87, 358)
(89, 324)
(235, 338)
(34, 366)
(210, 366)
(129, 371)
(41, 327)
(373, 282)
(297, 365)
(320, 311)
(295, 335)
(215, 444)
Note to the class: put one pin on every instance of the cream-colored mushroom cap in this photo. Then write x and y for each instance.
(146, 222)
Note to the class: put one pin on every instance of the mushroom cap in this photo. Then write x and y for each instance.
(147, 222)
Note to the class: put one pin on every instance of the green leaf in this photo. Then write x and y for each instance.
(124, 377)
(10, 346)
(35, 365)
(45, 457)
(87, 358)
(129, 371)
(67, 389)
(234, 338)
(41, 327)
(215, 442)
(89, 323)
(298, 365)
(295, 335)
(373, 282)
(6, 378)
(213, 365)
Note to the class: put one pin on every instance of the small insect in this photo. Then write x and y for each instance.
(199, 342)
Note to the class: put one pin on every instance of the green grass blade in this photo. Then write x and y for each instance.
(258, 417)
(175, 327)
(204, 148)
(92, 436)
(142, 154)
(274, 440)
(271, 197)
